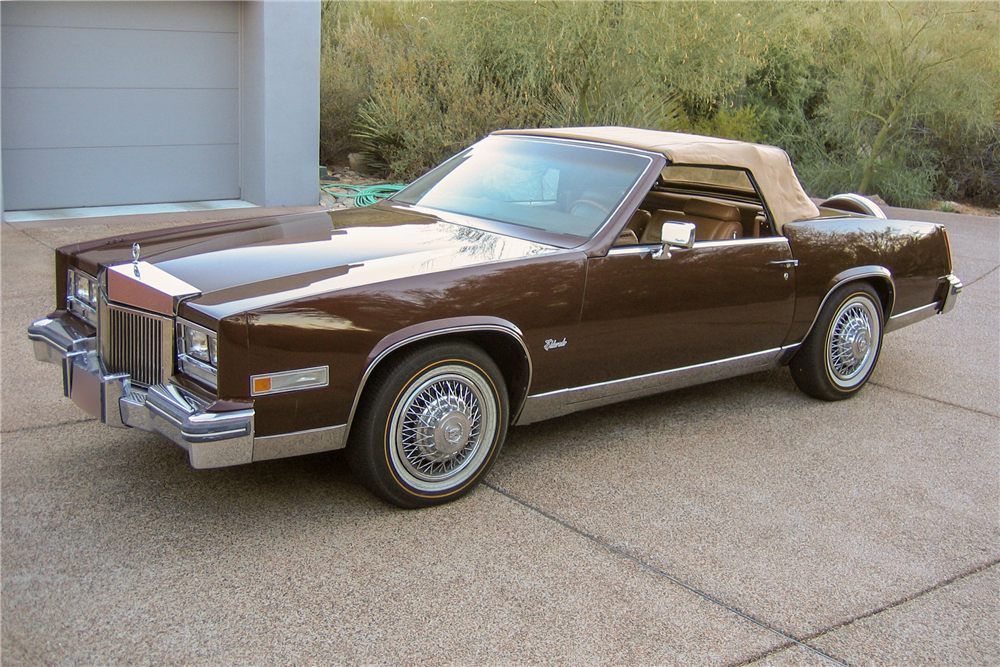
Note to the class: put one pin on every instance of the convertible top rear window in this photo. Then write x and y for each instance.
(553, 186)
(732, 179)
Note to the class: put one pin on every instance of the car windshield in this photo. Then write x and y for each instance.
(553, 186)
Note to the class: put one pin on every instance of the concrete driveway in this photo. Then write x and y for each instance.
(735, 523)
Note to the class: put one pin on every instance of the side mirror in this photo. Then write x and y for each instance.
(675, 235)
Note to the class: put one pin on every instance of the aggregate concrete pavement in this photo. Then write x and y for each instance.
(735, 523)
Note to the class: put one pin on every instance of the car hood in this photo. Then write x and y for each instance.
(238, 266)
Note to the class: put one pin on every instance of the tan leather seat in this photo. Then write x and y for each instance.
(714, 221)
(634, 229)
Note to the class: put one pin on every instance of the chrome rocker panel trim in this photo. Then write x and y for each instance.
(212, 439)
(565, 401)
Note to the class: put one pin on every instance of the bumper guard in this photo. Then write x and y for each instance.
(212, 439)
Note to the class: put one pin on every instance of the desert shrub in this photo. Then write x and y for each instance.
(890, 98)
(896, 100)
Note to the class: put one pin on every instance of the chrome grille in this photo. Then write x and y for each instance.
(137, 343)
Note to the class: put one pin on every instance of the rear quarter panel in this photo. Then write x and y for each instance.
(915, 253)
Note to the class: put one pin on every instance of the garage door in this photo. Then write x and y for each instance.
(110, 103)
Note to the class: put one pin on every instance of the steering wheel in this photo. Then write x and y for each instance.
(588, 202)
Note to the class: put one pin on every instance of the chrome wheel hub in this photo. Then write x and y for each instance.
(440, 427)
(850, 342)
(852, 345)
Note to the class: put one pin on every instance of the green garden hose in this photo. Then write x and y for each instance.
(363, 195)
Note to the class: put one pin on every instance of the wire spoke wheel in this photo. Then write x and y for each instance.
(439, 428)
(431, 426)
(840, 353)
(850, 351)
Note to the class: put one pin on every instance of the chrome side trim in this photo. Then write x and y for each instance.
(649, 247)
(312, 441)
(746, 240)
(630, 250)
(565, 401)
(512, 331)
(910, 317)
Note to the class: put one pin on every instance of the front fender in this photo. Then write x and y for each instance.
(467, 327)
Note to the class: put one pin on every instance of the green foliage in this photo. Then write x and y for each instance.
(873, 96)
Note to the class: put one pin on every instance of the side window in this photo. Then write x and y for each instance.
(722, 203)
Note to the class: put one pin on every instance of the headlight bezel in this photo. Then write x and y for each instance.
(82, 295)
(197, 352)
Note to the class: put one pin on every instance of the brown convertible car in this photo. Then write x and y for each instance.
(534, 274)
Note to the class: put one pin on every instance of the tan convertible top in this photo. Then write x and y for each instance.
(769, 165)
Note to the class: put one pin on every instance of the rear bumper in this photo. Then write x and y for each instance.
(953, 287)
(949, 288)
(212, 439)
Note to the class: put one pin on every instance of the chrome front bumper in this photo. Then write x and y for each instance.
(212, 439)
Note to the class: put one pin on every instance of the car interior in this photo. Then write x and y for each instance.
(719, 211)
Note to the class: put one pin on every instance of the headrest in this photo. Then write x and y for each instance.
(639, 218)
(708, 209)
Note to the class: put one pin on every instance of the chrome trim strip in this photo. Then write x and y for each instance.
(513, 332)
(268, 447)
(953, 287)
(910, 317)
(631, 250)
(746, 240)
(565, 401)
(649, 247)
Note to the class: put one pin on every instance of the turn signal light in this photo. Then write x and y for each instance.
(276, 383)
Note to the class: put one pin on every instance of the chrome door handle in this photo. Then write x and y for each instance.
(784, 262)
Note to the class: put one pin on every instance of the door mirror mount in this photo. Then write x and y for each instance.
(675, 235)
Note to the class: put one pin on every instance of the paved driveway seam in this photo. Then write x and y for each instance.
(909, 598)
(935, 400)
(991, 271)
(789, 641)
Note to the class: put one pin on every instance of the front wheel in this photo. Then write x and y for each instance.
(431, 425)
(840, 353)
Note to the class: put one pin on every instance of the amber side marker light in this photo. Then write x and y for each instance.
(277, 383)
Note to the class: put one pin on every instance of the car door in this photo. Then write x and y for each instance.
(718, 301)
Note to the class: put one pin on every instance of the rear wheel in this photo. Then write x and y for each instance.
(841, 351)
(431, 425)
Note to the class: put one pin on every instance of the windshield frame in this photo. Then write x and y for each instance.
(527, 232)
